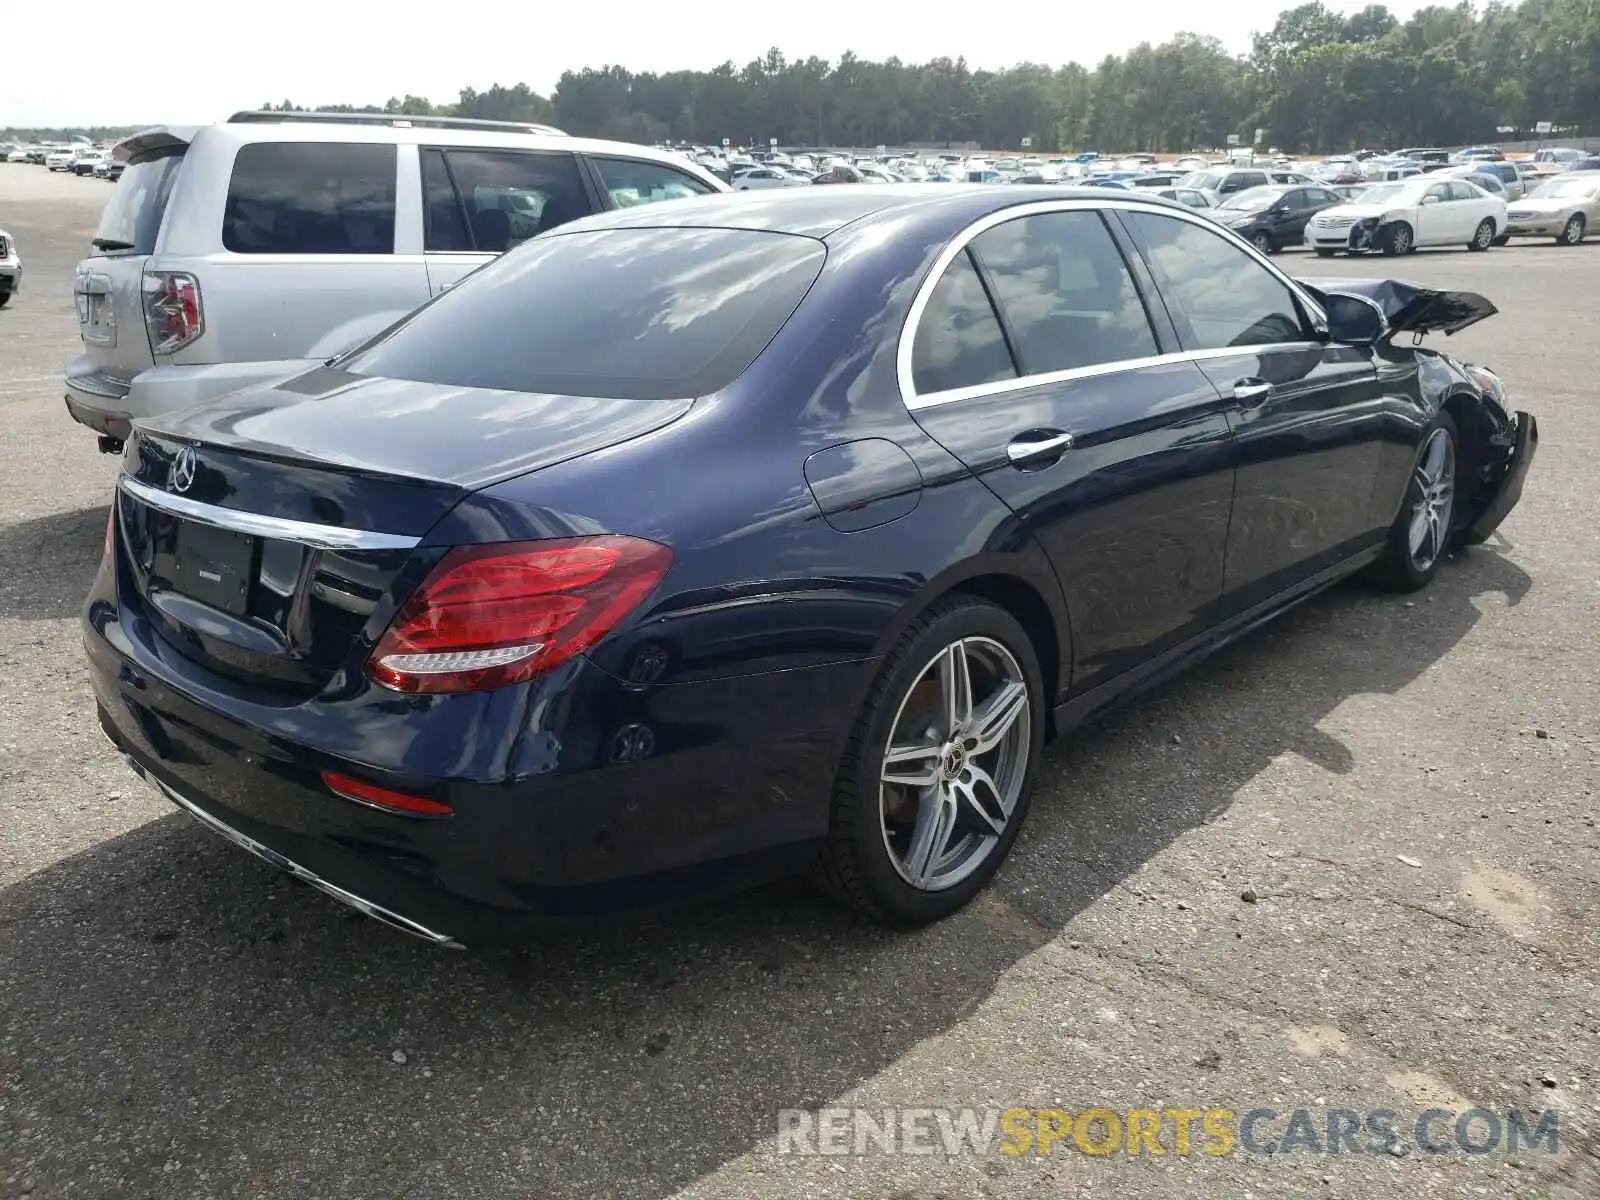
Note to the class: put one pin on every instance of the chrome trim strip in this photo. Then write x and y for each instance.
(245, 842)
(914, 401)
(321, 537)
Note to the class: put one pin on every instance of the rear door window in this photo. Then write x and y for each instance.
(959, 342)
(132, 217)
(641, 314)
(311, 198)
(630, 182)
(493, 200)
(1065, 292)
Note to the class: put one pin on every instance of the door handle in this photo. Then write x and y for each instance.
(1028, 447)
(1251, 393)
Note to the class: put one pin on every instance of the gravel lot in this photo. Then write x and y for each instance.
(1408, 790)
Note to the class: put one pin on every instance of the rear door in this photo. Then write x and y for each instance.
(1307, 416)
(480, 203)
(108, 286)
(1036, 363)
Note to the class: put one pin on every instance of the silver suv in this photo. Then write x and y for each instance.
(246, 251)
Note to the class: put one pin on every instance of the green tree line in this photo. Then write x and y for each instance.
(1316, 81)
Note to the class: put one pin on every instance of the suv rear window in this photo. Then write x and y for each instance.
(133, 214)
(643, 314)
(311, 198)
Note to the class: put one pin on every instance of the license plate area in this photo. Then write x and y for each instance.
(214, 566)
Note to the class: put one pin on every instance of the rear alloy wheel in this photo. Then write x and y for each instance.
(1483, 236)
(1397, 239)
(1421, 533)
(1572, 232)
(937, 776)
(1262, 242)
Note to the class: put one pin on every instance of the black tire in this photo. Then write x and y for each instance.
(1503, 240)
(5, 299)
(1263, 243)
(1573, 232)
(1482, 236)
(1324, 253)
(1398, 570)
(1398, 239)
(854, 865)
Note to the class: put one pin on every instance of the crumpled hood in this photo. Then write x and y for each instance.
(1413, 308)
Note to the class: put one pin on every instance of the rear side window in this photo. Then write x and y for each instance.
(959, 342)
(641, 314)
(311, 198)
(630, 181)
(492, 200)
(133, 215)
(1065, 292)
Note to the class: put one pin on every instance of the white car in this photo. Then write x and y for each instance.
(19, 155)
(61, 160)
(766, 177)
(1396, 218)
(10, 268)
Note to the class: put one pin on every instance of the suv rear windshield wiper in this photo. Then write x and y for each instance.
(110, 244)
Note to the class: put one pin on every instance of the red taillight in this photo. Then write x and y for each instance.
(173, 311)
(378, 797)
(487, 616)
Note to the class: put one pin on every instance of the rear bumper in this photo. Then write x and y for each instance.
(10, 274)
(1536, 227)
(575, 798)
(1509, 492)
(109, 405)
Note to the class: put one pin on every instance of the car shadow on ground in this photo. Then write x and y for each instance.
(224, 1028)
(48, 563)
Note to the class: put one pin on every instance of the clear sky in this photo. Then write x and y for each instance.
(105, 62)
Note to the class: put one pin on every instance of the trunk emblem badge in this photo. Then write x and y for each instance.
(180, 477)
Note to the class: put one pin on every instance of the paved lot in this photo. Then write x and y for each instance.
(177, 1021)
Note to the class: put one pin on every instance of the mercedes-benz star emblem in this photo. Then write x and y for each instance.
(181, 476)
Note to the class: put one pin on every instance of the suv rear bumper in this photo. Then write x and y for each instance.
(109, 405)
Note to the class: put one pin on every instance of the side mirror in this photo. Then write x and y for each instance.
(1354, 320)
(1430, 199)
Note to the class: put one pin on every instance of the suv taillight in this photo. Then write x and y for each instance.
(173, 311)
(488, 616)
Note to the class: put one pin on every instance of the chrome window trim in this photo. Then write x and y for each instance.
(916, 401)
(320, 537)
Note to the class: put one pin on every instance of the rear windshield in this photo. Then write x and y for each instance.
(132, 217)
(621, 313)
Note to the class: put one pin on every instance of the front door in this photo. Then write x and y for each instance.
(1439, 219)
(1307, 416)
(1060, 396)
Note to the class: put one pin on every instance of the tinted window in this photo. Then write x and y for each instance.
(1438, 191)
(958, 341)
(311, 198)
(632, 313)
(504, 198)
(631, 182)
(1464, 191)
(1315, 196)
(445, 223)
(139, 201)
(1223, 296)
(1065, 292)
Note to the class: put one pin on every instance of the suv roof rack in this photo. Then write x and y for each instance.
(394, 121)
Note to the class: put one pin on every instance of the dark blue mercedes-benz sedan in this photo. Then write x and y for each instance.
(695, 543)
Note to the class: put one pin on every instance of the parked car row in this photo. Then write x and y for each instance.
(77, 158)
(694, 543)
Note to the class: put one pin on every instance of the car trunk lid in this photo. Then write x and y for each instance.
(272, 561)
(1413, 308)
(110, 286)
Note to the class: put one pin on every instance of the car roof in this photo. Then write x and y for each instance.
(246, 132)
(821, 211)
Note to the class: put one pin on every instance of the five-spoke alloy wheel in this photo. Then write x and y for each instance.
(1422, 532)
(936, 778)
